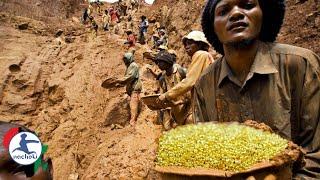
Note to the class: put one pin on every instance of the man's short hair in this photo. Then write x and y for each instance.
(273, 13)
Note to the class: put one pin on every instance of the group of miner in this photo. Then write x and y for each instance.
(254, 77)
(110, 16)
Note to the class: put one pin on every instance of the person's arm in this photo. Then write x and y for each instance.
(199, 63)
(309, 135)
(154, 74)
(130, 75)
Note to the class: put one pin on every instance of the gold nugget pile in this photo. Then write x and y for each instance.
(229, 147)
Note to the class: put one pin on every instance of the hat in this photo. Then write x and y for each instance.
(196, 36)
(166, 57)
(128, 57)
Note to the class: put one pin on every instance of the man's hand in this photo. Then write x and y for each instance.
(162, 97)
(118, 83)
(149, 69)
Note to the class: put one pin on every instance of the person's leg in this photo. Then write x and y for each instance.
(166, 120)
(159, 117)
(140, 37)
(134, 107)
(145, 37)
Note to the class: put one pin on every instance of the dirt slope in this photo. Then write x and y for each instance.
(57, 93)
(53, 86)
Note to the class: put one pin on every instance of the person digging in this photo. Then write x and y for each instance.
(197, 48)
(133, 85)
(172, 74)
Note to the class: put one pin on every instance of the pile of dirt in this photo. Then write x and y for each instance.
(53, 84)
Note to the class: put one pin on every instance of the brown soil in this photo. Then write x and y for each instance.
(54, 87)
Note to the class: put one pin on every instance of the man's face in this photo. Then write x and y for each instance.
(237, 20)
(191, 47)
(126, 61)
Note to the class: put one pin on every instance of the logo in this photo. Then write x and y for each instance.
(25, 148)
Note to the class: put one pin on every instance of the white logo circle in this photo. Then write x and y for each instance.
(25, 148)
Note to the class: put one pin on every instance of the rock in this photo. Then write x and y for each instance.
(116, 126)
(69, 39)
(23, 26)
(59, 32)
(74, 176)
(14, 68)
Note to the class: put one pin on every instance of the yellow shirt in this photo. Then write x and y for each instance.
(200, 61)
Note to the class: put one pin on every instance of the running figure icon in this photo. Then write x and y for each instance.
(23, 144)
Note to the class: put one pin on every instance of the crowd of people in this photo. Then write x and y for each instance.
(120, 16)
(255, 78)
(175, 81)
(109, 15)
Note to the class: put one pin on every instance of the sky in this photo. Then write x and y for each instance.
(112, 1)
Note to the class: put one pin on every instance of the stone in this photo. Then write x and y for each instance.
(69, 39)
(74, 176)
(23, 26)
(59, 32)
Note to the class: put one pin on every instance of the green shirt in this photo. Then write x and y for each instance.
(132, 79)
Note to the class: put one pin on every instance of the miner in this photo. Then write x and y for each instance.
(258, 79)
